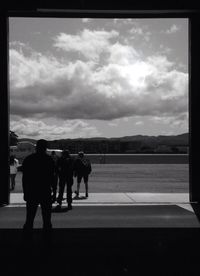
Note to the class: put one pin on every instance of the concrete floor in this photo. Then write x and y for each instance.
(133, 239)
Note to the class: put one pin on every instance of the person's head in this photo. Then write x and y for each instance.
(81, 154)
(65, 153)
(41, 146)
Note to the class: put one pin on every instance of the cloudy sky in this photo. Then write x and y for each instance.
(76, 77)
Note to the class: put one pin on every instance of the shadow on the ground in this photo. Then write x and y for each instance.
(79, 197)
(60, 210)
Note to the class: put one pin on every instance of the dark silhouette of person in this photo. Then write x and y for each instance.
(55, 183)
(37, 180)
(82, 169)
(66, 171)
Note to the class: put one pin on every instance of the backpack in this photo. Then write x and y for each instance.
(86, 165)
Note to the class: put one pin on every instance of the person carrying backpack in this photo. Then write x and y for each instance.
(82, 169)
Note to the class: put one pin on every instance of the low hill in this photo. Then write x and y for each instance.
(151, 141)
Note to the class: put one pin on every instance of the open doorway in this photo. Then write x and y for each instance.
(116, 88)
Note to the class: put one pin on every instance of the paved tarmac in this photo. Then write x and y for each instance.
(133, 178)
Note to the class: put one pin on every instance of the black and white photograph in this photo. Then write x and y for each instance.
(99, 144)
(116, 89)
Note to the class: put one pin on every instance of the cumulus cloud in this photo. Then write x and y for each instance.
(28, 70)
(124, 21)
(140, 32)
(139, 123)
(172, 30)
(123, 84)
(86, 20)
(26, 127)
(122, 54)
(88, 43)
(164, 50)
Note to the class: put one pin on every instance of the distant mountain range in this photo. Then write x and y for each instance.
(181, 139)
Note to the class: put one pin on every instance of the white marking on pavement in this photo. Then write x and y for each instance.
(187, 207)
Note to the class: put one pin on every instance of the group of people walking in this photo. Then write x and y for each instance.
(66, 168)
(41, 174)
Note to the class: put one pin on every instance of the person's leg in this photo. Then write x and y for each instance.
(11, 181)
(78, 184)
(31, 209)
(86, 185)
(46, 214)
(61, 190)
(86, 189)
(56, 184)
(46, 217)
(69, 192)
(54, 188)
(12, 178)
(14, 181)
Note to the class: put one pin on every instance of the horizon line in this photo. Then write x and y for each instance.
(101, 137)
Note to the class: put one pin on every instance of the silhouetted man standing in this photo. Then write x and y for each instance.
(37, 180)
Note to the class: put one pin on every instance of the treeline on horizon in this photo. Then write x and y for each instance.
(127, 144)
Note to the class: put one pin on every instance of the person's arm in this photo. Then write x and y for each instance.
(16, 165)
(17, 162)
(24, 180)
(90, 167)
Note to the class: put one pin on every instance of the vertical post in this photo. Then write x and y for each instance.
(194, 159)
(4, 108)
